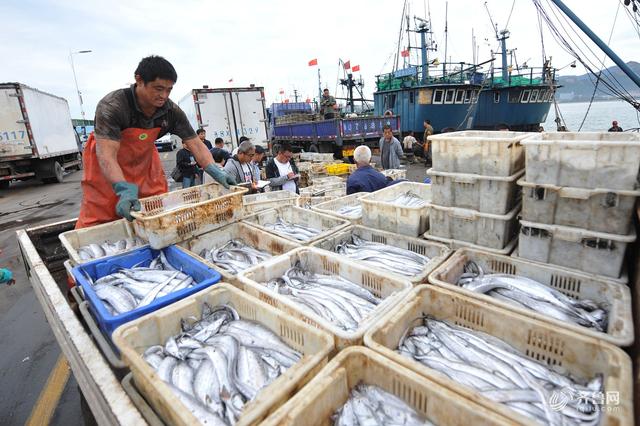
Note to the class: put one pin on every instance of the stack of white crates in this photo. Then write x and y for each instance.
(579, 194)
(475, 198)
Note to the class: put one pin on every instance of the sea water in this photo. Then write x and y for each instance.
(599, 118)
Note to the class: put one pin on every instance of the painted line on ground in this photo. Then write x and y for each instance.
(50, 395)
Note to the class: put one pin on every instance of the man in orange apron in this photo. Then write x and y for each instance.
(121, 163)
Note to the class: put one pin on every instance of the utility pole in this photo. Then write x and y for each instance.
(295, 95)
(75, 79)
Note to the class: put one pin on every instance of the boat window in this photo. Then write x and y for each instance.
(448, 99)
(496, 97)
(525, 96)
(547, 96)
(534, 96)
(391, 101)
(474, 96)
(459, 96)
(467, 96)
(437, 96)
(411, 97)
(514, 96)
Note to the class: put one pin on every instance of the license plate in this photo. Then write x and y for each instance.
(348, 152)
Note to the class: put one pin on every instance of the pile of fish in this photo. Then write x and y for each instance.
(370, 405)
(501, 373)
(353, 212)
(219, 363)
(393, 259)
(530, 294)
(235, 256)
(108, 248)
(131, 288)
(408, 199)
(339, 301)
(293, 230)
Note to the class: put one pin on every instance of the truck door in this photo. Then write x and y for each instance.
(216, 113)
(249, 112)
(14, 139)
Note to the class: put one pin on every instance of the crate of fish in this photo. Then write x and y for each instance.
(236, 247)
(584, 160)
(598, 253)
(347, 207)
(220, 357)
(486, 194)
(394, 174)
(601, 210)
(124, 287)
(296, 224)
(337, 189)
(267, 200)
(324, 180)
(406, 257)
(580, 302)
(482, 229)
(337, 169)
(402, 208)
(529, 371)
(308, 201)
(326, 290)
(359, 386)
(173, 217)
(108, 239)
(486, 153)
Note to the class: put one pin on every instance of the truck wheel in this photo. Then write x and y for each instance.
(54, 168)
(313, 148)
(4, 184)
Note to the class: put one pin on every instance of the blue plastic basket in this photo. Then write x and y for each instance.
(201, 273)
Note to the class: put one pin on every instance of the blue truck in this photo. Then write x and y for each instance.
(339, 136)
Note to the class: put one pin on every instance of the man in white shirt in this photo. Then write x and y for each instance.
(281, 170)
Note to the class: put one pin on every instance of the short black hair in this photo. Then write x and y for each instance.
(200, 130)
(153, 67)
(218, 156)
(243, 138)
(325, 90)
(284, 147)
(386, 126)
(259, 149)
(218, 140)
(427, 121)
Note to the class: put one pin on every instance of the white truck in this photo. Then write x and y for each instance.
(37, 138)
(228, 113)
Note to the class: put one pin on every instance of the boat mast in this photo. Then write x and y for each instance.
(504, 35)
(446, 36)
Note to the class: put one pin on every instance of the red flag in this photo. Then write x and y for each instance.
(404, 53)
(355, 68)
(282, 91)
(313, 62)
(347, 65)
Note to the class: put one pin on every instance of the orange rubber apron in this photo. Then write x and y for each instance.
(140, 163)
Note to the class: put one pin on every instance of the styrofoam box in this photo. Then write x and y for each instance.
(488, 153)
(584, 160)
(577, 285)
(562, 350)
(251, 235)
(254, 203)
(482, 229)
(329, 390)
(112, 231)
(382, 285)
(437, 253)
(331, 207)
(602, 210)
(323, 222)
(486, 194)
(134, 338)
(594, 252)
(379, 212)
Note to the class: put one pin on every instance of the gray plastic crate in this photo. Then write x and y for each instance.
(486, 194)
(602, 210)
(594, 252)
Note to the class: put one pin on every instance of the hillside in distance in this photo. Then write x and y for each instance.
(579, 88)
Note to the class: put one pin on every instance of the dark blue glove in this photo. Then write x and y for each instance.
(128, 193)
(220, 176)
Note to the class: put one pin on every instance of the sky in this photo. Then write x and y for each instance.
(267, 43)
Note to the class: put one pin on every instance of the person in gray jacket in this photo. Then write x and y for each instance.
(390, 149)
(239, 166)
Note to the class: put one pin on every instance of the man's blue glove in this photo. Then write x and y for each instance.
(6, 277)
(220, 176)
(128, 193)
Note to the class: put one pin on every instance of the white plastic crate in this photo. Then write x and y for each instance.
(135, 337)
(602, 210)
(486, 194)
(457, 244)
(380, 213)
(251, 235)
(329, 390)
(488, 153)
(594, 252)
(112, 231)
(436, 252)
(482, 229)
(176, 216)
(325, 223)
(577, 285)
(331, 207)
(254, 203)
(584, 160)
(562, 350)
(395, 174)
(382, 285)
(308, 201)
(336, 189)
